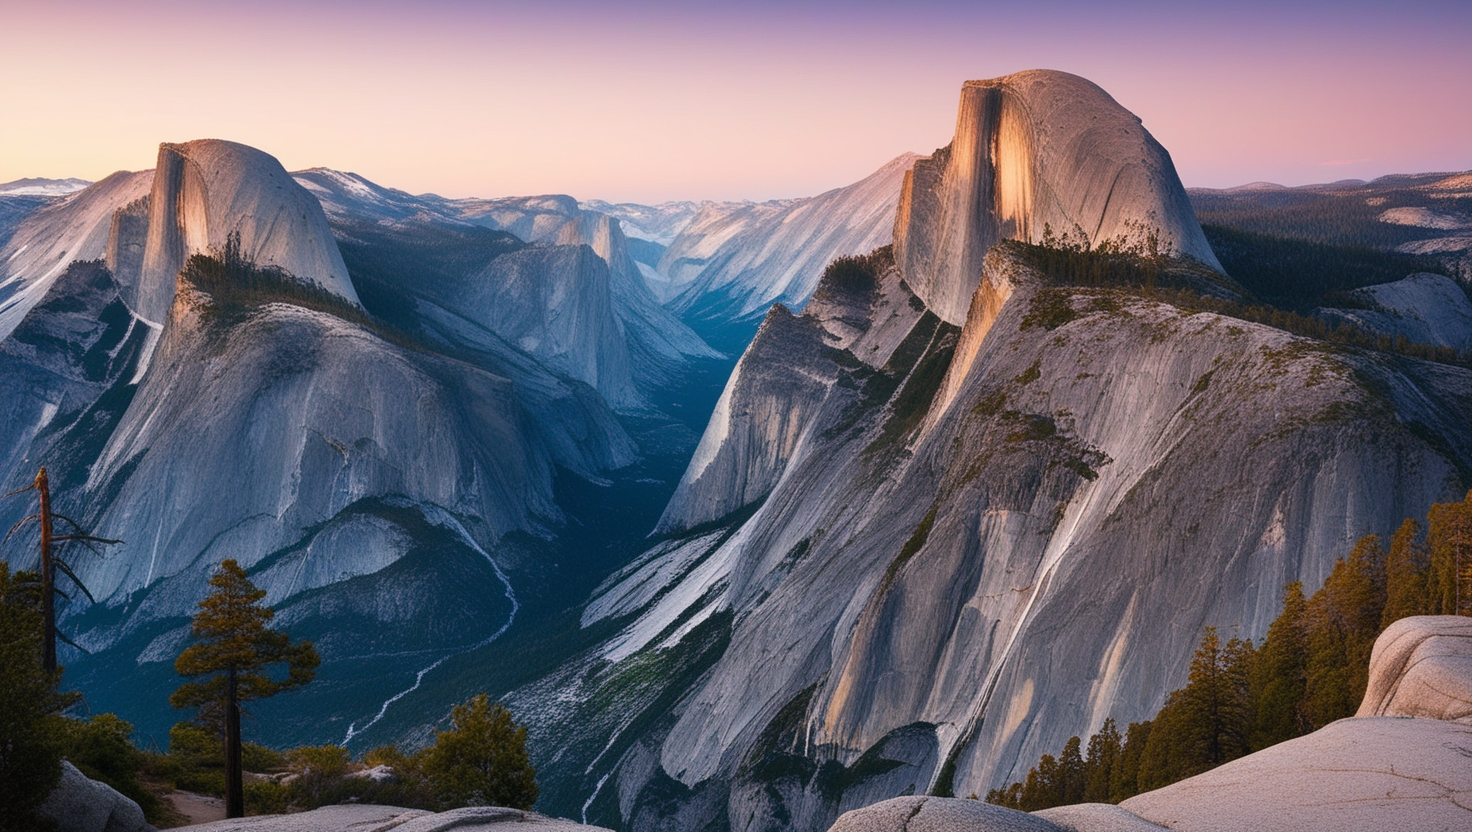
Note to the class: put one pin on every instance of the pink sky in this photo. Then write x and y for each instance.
(701, 100)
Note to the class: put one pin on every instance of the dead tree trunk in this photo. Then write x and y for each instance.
(234, 785)
(48, 576)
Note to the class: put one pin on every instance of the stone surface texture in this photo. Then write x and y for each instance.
(734, 260)
(384, 818)
(208, 189)
(1097, 817)
(909, 555)
(1422, 667)
(50, 238)
(80, 804)
(939, 814)
(1035, 151)
(1356, 775)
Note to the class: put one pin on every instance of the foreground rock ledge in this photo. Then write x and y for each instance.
(1403, 763)
(361, 818)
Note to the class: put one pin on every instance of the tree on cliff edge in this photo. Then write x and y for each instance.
(229, 664)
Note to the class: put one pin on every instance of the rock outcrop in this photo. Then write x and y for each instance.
(929, 814)
(54, 236)
(943, 551)
(206, 190)
(1034, 152)
(575, 299)
(358, 818)
(1422, 667)
(387, 478)
(81, 804)
(1428, 309)
(1379, 770)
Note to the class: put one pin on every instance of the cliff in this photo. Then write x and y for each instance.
(1034, 152)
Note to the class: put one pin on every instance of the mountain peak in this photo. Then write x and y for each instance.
(204, 191)
(1035, 151)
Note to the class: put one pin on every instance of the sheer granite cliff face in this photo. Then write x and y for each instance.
(390, 484)
(575, 298)
(1035, 151)
(52, 237)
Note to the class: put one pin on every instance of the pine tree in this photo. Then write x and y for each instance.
(1124, 781)
(230, 662)
(1450, 542)
(1343, 621)
(1278, 675)
(30, 704)
(481, 760)
(1104, 752)
(1071, 776)
(1406, 568)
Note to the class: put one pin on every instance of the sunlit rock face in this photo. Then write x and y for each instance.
(1034, 152)
(390, 484)
(204, 191)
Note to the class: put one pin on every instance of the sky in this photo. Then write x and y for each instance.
(657, 101)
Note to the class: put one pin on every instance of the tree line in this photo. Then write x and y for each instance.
(1310, 670)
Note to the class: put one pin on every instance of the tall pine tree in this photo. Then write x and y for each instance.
(229, 663)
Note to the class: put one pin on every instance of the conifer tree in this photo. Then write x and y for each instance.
(1450, 542)
(482, 759)
(1343, 621)
(30, 705)
(229, 663)
(1406, 568)
(1104, 752)
(1279, 673)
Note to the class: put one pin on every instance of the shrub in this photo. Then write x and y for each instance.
(481, 760)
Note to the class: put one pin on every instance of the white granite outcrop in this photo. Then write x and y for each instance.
(81, 804)
(206, 190)
(365, 818)
(1422, 667)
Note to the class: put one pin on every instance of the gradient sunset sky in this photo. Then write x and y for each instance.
(705, 100)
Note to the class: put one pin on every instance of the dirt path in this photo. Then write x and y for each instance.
(196, 807)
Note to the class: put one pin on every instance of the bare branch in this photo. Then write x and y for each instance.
(31, 487)
(61, 636)
(18, 524)
(70, 574)
(75, 524)
(84, 537)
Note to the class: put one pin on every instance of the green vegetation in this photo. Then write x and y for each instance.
(1298, 274)
(1332, 218)
(1185, 286)
(30, 707)
(481, 760)
(1311, 669)
(229, 662)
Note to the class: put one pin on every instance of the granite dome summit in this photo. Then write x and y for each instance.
(1035, 151)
